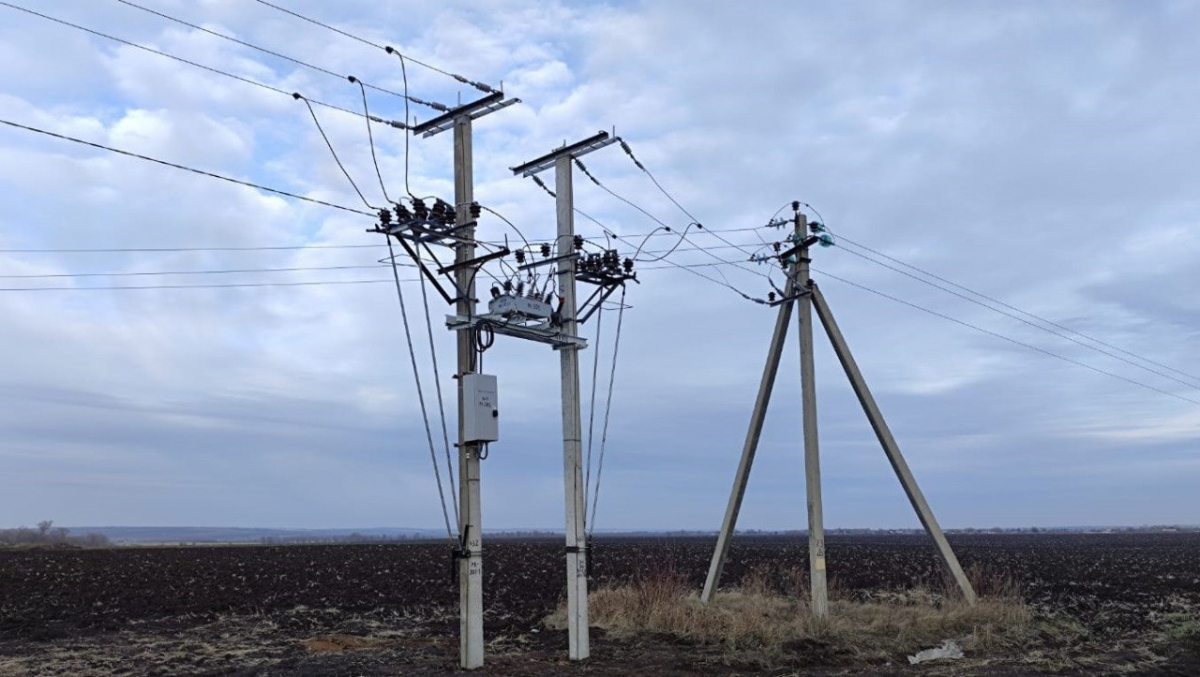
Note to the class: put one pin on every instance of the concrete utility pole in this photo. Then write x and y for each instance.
(915, 497)
(576, 507)
(812, 458)
(576, 541)
(470, 513)
(754, 433)
(470, 521)
(804, 292)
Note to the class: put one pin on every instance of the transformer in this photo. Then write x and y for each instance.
(509, 305)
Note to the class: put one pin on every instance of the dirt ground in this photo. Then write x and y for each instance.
(1131, 603)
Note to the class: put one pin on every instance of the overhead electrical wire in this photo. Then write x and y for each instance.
(333, 152)
(180, 59)
(298, 62)
(587, 478)
(682, 236)
(412, 354)
(122, 250)
(407, 130)
(371, 136)
(1014, 341)
(998, 302)
(612, 376)
(183, 167)
(231, 285)
(478, 85)
(138, 273)
(437, 382)
(1022, 320)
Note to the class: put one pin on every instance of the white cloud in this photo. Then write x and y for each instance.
(1044, 156)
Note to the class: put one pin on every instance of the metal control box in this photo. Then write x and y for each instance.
(481, 413)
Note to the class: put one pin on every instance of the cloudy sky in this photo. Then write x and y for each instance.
(1041, 154)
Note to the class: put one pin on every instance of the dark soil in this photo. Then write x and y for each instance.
(1131, 601)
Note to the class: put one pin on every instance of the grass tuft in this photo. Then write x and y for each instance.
(764, 623)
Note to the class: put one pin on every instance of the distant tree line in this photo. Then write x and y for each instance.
(48, 534)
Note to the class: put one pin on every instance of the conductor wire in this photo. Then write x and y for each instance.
(300, 97)
(412, 354)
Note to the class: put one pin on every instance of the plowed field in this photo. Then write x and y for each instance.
(1134, 600)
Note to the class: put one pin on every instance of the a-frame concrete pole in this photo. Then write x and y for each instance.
(750, 446)
(890, 447)
(818, 586)
(470, 567)
(577, 591)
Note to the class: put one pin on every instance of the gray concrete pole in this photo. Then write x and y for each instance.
(470, 568)
(891, 448)
(577, 591)
(818, 585)
(750, 446)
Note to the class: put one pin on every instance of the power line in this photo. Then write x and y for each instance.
(478, 85)
(138, 273)
(183, 167)
(203, 286)
(1018, 310)
(412, 354)
(663, 225)
(190, 249)
(636, 162)
(430, 104)
(334, 152)
(1009, 339)
(180, 59)
(1022, 320)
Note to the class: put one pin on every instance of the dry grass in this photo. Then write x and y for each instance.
(767, 620)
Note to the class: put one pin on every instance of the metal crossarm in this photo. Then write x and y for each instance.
(574, 150)
(475, 110)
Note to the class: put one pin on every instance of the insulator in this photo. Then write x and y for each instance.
(520, 255)
(476, 210)
(816, 226)
(578, 242)
(402, 213)
(825, 240)
(520, 287)
(545, 250)
(777, 247)
(771, 296)
(628, 265)
(385, 217)
(495, 291)
(795, 205)
(419, 209)
(549, 296)
(508, 285)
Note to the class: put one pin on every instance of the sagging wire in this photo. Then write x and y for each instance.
(663, 226)
(300, 97)
(609, 232)
(407, 131)
(371, 135)
(412, 354)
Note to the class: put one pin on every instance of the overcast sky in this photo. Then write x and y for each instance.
(1041, 153)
